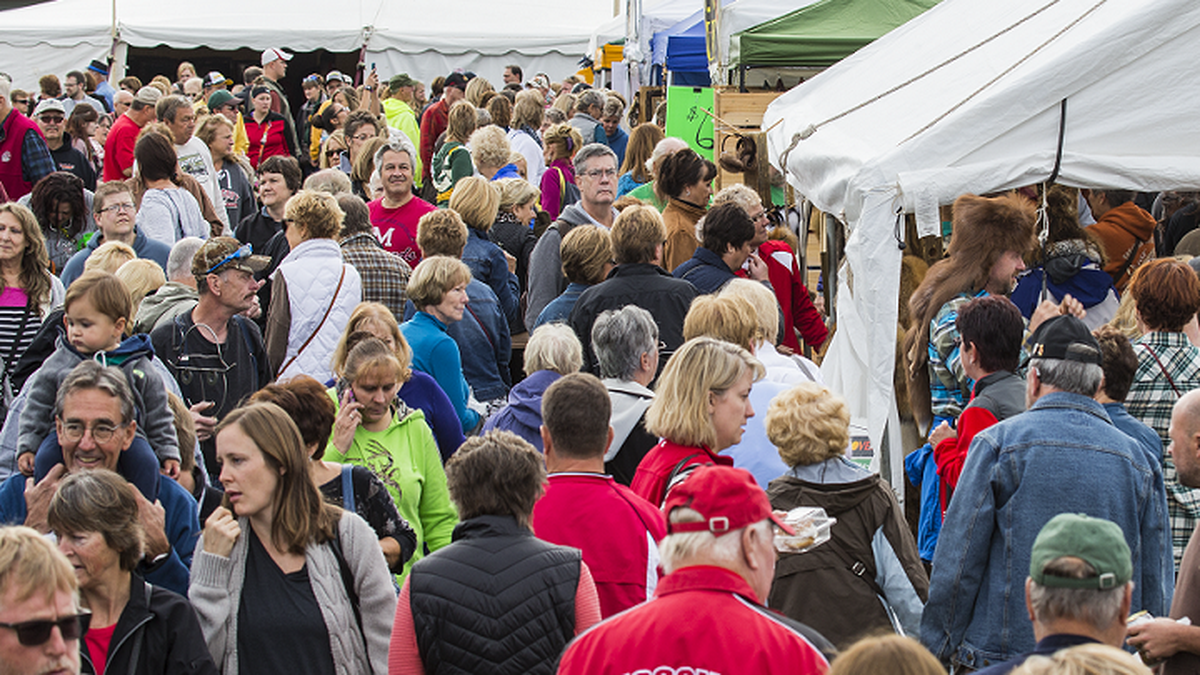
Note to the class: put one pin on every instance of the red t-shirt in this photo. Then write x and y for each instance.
(98, 641)
(396, 229)
(617, 531)
(118, 149)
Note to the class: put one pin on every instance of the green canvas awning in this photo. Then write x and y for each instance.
(822, 34)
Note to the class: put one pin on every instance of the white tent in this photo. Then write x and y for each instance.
(739, 15)
(966, 99)
(422, 38)
(657, 16)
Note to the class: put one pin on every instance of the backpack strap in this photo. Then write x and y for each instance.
(348, 488)
(332, 302)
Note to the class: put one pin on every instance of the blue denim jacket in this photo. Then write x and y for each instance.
(1063, 455)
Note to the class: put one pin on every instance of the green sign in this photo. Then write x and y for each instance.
(687, 117)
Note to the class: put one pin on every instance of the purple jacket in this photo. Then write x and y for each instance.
(523, 414)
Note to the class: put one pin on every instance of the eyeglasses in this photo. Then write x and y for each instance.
(101, 433)
(52, 119)
(35, 633)
(361, 137)
(601, 173)
(244, 252)
(333, 153)
(123, 206)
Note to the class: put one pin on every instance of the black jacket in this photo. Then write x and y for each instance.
(498, 600)
(160, 630)
(643, 284)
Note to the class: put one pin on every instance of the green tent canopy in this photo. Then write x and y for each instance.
(822, 34)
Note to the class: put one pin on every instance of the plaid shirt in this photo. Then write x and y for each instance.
(384, 274)
(949, 386)
(1153, 394)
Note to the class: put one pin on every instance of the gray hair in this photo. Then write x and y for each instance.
(357, 217)
(168, 106)
(91, 375)
(5, 87)
(613, 107)
(589, 98)
(555, 347)
(591, 151)
(1075, 377)
(676, 550)
(1098, 608)
(395, 143)
(179, 262)
(620, 337)
(331, 181)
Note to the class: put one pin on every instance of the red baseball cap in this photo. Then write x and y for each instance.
(728, 498)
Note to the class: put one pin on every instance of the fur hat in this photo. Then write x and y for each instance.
(986, 227)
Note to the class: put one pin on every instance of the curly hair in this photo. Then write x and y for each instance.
(34, 277)
(808, 424)
(1167, 294)
(58, 188)
(317, 214)
(489, 147)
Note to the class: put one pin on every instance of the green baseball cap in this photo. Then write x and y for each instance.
(1096, 541)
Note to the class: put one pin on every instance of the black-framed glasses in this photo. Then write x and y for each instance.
(101, 433)
(35, 633)
(243, 252)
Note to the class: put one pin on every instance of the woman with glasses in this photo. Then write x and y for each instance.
(133, 627)
(266, 129)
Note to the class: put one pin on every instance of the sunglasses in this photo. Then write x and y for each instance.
(244, 252)
(51, 119)
(35, 633)
(20, 101)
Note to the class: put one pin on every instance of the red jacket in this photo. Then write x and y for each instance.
(787, 280)
(664, 462)
(701, 620)
(617, 531)
(433, 123)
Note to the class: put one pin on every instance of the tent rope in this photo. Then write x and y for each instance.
(1043, 213)
(812, 128)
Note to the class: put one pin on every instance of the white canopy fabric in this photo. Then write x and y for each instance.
(966, 99)
(422, 38)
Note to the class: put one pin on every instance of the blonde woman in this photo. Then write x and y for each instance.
(477, 202)
(452, 162)
(491, 153)
(587, 258)
(142, 277)
(699, 409)
(560, 143)
(811, 427)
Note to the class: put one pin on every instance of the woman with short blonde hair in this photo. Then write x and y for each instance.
(491, 152)
(700, 408)
(142, 277)
(811, 428)
(560, 143)
(478, 202)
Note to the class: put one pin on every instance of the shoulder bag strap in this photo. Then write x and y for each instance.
(1164, 370)
(348, 488)
(135, 648)
(332, 302)
(1129, 260)
(483, 328)
(562, 188)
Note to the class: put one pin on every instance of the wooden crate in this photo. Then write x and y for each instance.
(742, 111)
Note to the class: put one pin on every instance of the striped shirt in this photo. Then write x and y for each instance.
(15, 338)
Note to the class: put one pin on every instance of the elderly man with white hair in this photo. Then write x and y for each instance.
(719, 557)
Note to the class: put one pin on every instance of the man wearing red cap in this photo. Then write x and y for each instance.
(707, 613)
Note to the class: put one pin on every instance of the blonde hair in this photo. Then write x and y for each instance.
(739, 194)
(364, 164)
(30, 564)
(565, 138)
(476, 88)
(723, 317)
(553, 346)
(476, 201)
(317, 214)
(109, 256)
(765, 305)
(1125, 319)
(460, 122)
(141, 277)
(441, 232)
(808, 424)
(584, 252)
(515, 192)
(376, 313)
(336, 136)
(434, 277)
(702, 365)
(489, 147)
(886, 655)
(637, 234)
(1088, 659)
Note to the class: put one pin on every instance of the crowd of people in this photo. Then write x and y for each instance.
(263, 412)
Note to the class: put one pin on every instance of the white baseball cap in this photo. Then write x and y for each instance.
(273, 54)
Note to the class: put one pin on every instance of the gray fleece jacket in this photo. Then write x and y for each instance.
(168, 302)
(216, 593)
(546, 280)
(155, 422)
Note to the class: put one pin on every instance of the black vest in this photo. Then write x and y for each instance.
(497, 600)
